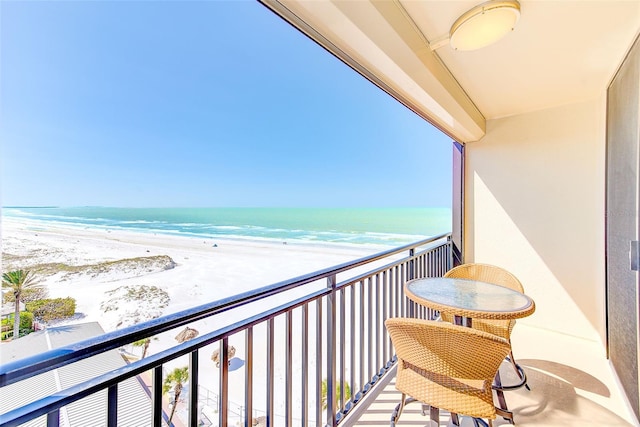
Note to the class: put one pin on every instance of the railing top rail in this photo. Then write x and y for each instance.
(15, 371)
(362, 276)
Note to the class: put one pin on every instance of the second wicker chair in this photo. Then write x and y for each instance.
(502, 328)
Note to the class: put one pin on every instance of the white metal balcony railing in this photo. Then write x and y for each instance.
(332, 330)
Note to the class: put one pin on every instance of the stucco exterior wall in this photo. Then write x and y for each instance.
(534, 196)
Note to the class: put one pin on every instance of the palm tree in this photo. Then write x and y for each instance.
(175, 380)
(18, 282)
(144, 343)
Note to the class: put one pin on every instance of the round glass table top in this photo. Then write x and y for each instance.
(470, 298)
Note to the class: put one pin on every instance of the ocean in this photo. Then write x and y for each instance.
(384, 227)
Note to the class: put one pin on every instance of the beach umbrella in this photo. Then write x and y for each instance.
(215, 356)
(186, 334)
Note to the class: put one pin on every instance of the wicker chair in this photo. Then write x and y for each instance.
(502, 328)
(447, 367)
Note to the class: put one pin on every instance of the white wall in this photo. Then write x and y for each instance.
(535, 192)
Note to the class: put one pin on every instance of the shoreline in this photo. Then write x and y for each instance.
(232, 267)
(35, 225)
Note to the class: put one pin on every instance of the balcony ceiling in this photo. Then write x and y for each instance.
(560, 52)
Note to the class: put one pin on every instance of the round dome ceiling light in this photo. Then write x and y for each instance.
(484, 24)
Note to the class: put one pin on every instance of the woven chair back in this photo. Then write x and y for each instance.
(447, 366)
(490, 274)
(486, 273)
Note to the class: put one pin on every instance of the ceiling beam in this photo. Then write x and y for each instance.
(379, 40)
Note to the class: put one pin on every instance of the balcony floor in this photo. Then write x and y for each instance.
(572, 384)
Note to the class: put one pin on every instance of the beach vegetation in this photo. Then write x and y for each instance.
(139, 265)
(324, 390)
(49, 310)
(17, 282)
(26, 323)
(134, 294)
(132, 304)
(6, 329)
(132, 266)
(175, 380)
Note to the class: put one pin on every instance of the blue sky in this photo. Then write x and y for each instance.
(199, 103)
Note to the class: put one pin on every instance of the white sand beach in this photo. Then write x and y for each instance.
(205, 270)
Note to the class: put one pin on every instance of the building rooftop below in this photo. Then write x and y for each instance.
(134, 404)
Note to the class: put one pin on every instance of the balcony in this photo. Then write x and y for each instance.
(307, 351)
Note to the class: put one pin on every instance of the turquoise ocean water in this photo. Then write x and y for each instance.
(375, 226)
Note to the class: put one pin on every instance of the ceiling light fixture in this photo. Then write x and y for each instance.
(484, 24)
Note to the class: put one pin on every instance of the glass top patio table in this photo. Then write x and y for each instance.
(469, 298)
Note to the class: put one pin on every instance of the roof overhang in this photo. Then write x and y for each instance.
(561, 52)
(379, 40)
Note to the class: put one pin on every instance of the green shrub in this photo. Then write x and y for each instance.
(26, 321)
(26, 325)
(6, 330)
(49, 310)
(324, 389)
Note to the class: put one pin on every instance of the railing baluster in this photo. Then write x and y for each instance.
(393, 293)
(370, 330)
(361, 304)
(305, 366)
(377, 322)
(445, 261)
(433, 267)
(399, 293)
(270, 363)
(412, 252)
(112, 406)
(402, 299)
(352, 355)
(248, 397)
(385, 316)
(224, 382)
(343, 340)
(289, 368)
(193, 388)
(156, 397)
(331, 352)
(442, 263)
(53, 418)
(319, 362)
